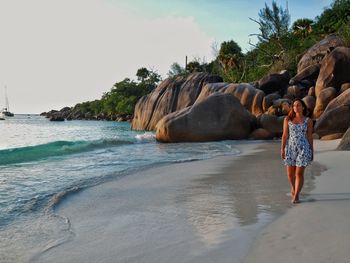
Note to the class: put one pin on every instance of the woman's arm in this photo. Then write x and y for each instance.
(284, 137)
(309, 136)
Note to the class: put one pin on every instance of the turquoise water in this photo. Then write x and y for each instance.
(42, 161)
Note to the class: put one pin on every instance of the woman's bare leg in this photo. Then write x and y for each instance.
(291, 178)
(299, 182)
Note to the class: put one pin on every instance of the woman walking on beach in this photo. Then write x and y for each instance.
(297, 146)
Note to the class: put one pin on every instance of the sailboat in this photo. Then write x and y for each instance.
(6, 111)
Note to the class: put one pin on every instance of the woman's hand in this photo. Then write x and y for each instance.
(283, 154)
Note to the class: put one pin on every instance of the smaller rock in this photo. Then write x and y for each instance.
(344, 87)
(269, 99)
(56, 117)
(261, 134)
(342, 99)
(310, 103)
(333, 136)
(312, 92)
(336, 120)
(294, 91)
(271, 123)
(310, 72)
(344, 144)
(323, 99)
(275, 82)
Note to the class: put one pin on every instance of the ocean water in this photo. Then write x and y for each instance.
(42, 162)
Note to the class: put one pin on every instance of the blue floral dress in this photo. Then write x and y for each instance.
(298, 150)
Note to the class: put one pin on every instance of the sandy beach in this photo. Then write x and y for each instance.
(317, 230)
(227, 209)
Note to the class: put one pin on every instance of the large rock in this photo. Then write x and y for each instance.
(316, 53)
(310, 103)
(280, 107)
(308, 73)
(344, 144)
(250, 97)
(272, 124)
(217, 117)
(275, 82)
(334, 70)
(268, 100)
(332, 121)
(322, 101)
(294, 91)
(57, 117)
(171, 95)
(342, 99)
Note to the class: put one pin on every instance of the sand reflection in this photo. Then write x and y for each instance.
(246, 192)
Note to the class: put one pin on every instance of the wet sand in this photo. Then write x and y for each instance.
(203, 211)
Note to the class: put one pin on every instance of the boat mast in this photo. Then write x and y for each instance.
(6, 100)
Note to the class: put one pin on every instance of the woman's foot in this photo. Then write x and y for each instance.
(295, 200)
(292, 194)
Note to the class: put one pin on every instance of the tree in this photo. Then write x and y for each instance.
(302, 27)
(230, 55)
(194, 66)
(273, 22)
(334, 17)
(176, 70)
(122, 97)
(142, 74)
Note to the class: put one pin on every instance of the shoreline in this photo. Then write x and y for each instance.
(316, 230)
(187, 212)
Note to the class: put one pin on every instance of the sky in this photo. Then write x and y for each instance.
(56, 53)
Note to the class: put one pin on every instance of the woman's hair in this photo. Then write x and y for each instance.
(291, 113)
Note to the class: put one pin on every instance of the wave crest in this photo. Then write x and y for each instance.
(52, 149)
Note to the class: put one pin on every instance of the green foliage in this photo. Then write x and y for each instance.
(230, 55)
(334, 17)
(344, 33)
(194, 66)
(230, 48)
(273, 22)
(124, 94)
(122, 98)
(142, 74)
(176, 70)
(302, 27)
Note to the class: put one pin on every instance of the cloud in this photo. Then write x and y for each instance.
(57, 53)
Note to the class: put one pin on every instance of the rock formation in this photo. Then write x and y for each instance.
(201, 107)
(170, 96)
(323, 99)
(336, 120)
(334, 70)
(316, 53)
(277, 82)
(219, 116)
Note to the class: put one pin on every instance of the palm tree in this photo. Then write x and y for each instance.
(230, 55)
(302, 27)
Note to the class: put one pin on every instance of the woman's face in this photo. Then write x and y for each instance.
(298, 107)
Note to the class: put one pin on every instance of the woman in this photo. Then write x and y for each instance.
(297, 146)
